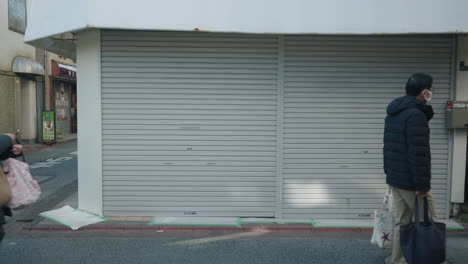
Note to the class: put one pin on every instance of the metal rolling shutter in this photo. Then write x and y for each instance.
(336, 92)
(189, 124)
(17, 15)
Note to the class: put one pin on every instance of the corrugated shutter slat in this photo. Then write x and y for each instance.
(189, 124)
(336, 92)
(17, 15)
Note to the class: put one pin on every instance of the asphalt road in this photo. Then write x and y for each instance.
(205, 247)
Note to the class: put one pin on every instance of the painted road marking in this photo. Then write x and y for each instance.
(49, 163)
(74, 153)
(218, 238)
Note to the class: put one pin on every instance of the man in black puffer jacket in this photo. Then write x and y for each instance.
(407, 154)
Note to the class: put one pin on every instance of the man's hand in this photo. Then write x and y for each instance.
(421, 194)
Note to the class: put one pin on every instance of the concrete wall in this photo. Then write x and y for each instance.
(12, 43)
(89, 122)
(7, 102)
(460, 135)
(28, 123)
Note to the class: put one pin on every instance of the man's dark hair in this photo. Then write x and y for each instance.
(417, 83)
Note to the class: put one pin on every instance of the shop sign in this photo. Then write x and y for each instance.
(67, 73)
(48, 125)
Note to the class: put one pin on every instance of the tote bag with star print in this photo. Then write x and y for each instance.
(384, 223)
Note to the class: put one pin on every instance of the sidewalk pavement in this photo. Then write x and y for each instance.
(29, 148)
(247, 224)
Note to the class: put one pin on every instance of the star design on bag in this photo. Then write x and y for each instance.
(386, 237)
(382, 219)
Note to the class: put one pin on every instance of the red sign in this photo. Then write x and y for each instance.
(63, 70)
(67, 73)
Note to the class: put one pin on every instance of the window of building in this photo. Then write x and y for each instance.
(17, 15)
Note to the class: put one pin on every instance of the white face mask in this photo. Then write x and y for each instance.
(428, 97)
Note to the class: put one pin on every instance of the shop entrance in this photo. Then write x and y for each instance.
(65, 99)
(63, 108)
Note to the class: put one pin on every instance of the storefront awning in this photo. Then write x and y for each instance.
(27, 66)
(61, 46)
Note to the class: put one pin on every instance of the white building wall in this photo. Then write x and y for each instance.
(260, 16)
(245, 16)
(89, 123)
(460, 135)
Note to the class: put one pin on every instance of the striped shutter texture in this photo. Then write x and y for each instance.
(17, 15)
(336, 92)
(189, 124)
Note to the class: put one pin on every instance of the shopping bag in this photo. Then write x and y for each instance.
(423, 242)
(5, 190)
(384, 223)
(25, 190)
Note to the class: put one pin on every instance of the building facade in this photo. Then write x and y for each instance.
(286, 124)
(20, 73)
(25, 74)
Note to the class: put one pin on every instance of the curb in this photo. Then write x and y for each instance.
(28, 151)
(168, 229)
(196, 228)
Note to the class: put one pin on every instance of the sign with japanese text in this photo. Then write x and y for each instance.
(48, 125)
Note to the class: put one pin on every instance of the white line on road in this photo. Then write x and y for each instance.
(218, 238)
(49, 163)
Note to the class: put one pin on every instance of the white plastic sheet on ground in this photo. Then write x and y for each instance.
(71, 217)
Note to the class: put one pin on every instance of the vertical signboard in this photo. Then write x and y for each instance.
(48, 126)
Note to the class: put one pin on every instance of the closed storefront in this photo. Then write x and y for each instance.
(189, 124)
(336, 93)
(259, 125)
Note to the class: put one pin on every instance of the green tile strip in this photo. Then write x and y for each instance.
(239, 222)
(313, 222)
(456, 228)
